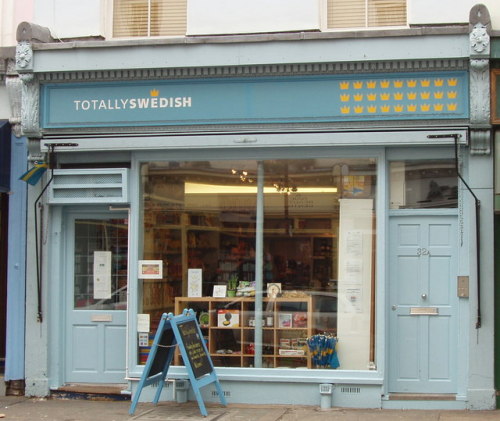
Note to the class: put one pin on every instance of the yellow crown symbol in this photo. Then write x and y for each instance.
(438, 82)
(425, 95)
(425, 107)
(398, 84)
(411, 83)
(372, 97)
(359, 109)
(452, 82)
(154, 92)
(358, 85)
(398, 96)
(411, 95)
(438, 107)
(398, 108)
(372, 109)
(451, 107)
(385, 83)
(345, 98)
(344, 85)
(411, 108)
(451, 94)
(345, 110)
(371, 84)
(385, 108)
(358, 97)
(438, 95)
(425, 83)
(385, 97)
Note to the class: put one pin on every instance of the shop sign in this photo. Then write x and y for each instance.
(335, 98)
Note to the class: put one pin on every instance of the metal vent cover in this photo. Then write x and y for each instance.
(100, 185)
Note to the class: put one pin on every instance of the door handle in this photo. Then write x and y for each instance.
(424, 296)
(394, 307)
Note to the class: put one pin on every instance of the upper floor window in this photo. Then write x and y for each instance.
(366, 13)
(149, 18)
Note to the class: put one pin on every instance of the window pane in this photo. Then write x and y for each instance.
(365, 13)
(317, 235)
(423, 184)
(142, 18)
(107, 240)
(130, 18)
(386, 13)
(346, 14)
(168, 17)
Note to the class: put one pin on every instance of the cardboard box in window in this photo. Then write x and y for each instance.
(228, 318)
(299, 319)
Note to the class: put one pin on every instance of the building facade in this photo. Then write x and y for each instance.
(342, 181)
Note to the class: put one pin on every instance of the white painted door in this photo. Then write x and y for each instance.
(96, 298)
(423, 304)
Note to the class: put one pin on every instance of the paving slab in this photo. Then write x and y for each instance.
(34, 409)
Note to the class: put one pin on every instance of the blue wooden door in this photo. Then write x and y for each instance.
(97, 273)
(423, 304)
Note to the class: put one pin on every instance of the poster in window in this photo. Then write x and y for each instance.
(102, 275)
(150, 269)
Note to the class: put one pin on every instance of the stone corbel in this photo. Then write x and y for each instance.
(479, 49)
(30, 106)
(14, 92)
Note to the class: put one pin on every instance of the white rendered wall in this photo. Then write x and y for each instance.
(424, 12)
(71, 18)
(243, 16)
(13, 12)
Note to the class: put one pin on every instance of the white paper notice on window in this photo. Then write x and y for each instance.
(354, 243)
(354, 272)
(353, 300)
(102, 275)
(143, 322)
(194, 282)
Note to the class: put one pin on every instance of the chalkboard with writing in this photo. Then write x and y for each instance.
(182, 331)
(195, 349)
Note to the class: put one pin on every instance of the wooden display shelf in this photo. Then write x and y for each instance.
(230, 331)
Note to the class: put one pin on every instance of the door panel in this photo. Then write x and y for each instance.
(422, 345)
(96, 298)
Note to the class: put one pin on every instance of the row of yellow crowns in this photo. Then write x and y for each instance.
(398, 108)
(398, 96)
(411, 83)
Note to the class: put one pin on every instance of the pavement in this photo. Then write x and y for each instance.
(35, 409)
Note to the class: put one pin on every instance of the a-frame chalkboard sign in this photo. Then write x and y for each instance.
(183, 331)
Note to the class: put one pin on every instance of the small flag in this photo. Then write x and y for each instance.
(33, 175)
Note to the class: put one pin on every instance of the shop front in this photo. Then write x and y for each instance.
(284, 209)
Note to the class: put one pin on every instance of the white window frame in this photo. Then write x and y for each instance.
(109, 7)
(326, 28)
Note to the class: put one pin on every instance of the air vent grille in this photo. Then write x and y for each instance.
(352, 390)
(89, 186)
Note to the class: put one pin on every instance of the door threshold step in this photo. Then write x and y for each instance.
(92, 391)
(422, 397)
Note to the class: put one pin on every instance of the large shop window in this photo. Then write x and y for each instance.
(314, 221)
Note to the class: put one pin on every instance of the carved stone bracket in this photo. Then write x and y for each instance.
(30, 90)
(479, 47)
(14, 91)
(480, 141)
